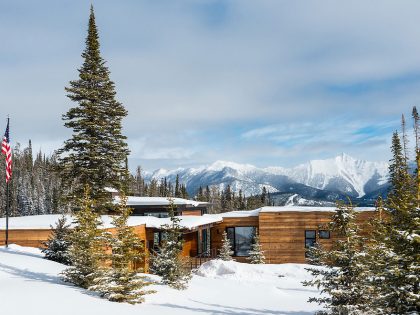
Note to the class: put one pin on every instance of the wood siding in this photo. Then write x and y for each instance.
(24, 237)
(282, 234)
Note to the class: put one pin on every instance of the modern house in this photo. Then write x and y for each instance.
(285, 232)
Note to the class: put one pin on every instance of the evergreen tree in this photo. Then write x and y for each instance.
(121, 282)
(256, 254)
(57, 245)
(167, 262)
(207, 194)
(177, 188)
(400, 273)
(87, 245)
(225, 252)
(343, 276)
(97, 150)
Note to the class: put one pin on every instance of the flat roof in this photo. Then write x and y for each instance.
(41, 222)
(256, 212)
(159, 201)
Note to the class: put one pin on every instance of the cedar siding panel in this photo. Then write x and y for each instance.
(282, 234)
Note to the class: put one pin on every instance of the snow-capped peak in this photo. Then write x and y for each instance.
(343, 173)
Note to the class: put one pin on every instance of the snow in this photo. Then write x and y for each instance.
(319, 173)
(291, 208)
(111, 190)
(45, 221)
(158, 201)
(30, 284)
(241, 213)
(308, 209)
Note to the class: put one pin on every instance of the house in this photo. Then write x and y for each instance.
(285, 232)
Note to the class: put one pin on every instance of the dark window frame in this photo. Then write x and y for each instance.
(233, 240)
(310, 238)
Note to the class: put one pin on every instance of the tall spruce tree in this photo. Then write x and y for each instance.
(87, 245)
(95, 154)
(401, 272)
(121, 282)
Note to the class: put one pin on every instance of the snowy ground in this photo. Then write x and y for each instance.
(30, 284)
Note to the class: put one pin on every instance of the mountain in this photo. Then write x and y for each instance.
(317, 180)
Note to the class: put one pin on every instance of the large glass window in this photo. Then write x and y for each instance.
(240, 238)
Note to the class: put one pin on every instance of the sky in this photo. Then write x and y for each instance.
(264, 82)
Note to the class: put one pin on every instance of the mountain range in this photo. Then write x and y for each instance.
(317, 182)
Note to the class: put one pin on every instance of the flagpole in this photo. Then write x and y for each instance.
(7, 214)
(7, 203)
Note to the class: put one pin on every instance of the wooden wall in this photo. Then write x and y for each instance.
(30, 238)
(282, 234)
(190, 244)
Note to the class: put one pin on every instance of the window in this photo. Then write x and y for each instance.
(310, 238)
(324, 234)
(240, 238)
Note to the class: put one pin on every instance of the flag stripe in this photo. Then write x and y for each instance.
(7, 151)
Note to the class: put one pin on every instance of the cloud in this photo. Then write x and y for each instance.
(205, 80)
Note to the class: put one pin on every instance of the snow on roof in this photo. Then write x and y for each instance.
(158, 201)
(256, 212)
(308, 209)
(39, 222)
(241, 213)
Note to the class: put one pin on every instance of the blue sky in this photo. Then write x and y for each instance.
(270, 83)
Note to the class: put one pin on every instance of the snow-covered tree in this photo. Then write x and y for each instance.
(95, 154)
(87, 245)
(343, 273)
(256, 254)
(167, 262)
(225, 252)
(58, 243)
(121, 282)
(397, 246)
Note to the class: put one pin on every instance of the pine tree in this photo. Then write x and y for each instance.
(121, 283)
(256, 254)
(225, 252)
(343, 276)
(177, 189)
(57, 245)
(96, 152)
(401, 271)
(87, 245)
(167, 262)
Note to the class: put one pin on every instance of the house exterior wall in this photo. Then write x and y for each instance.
(24, 237)
(282, 234)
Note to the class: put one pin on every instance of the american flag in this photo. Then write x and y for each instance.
(6, 150)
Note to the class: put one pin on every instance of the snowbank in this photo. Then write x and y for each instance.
(30, 284)
(219, 269)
